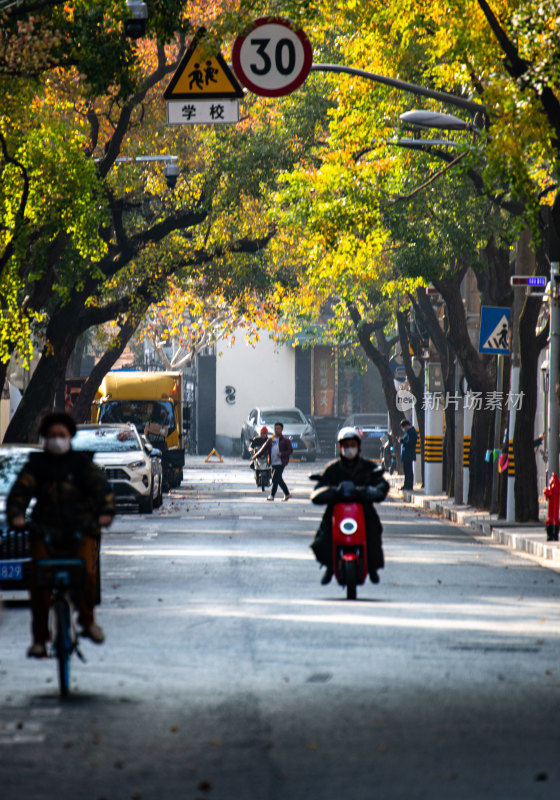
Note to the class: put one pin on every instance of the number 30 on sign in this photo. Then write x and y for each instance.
(271, 58)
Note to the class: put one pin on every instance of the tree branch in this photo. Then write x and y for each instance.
(430, 180)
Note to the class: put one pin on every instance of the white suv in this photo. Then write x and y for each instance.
(131, 466)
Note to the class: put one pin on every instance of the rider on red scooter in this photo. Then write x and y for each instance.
(362, 472)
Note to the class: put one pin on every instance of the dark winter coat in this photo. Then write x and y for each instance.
(257, 443)
(70, 490)
(362, 472)
(408, 444)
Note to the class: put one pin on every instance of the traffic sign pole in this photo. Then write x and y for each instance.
(497, 431)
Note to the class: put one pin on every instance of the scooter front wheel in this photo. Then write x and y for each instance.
(351, 579)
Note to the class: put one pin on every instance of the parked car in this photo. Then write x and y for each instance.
(373, 428)
(132, 466)
(297, 427)
(15, 559)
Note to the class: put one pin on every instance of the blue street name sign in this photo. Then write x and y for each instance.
(494, 330)
(397, 368)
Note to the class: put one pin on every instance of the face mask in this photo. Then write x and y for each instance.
(58, 445)
(350, 452)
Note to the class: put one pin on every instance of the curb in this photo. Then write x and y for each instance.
(528, 538)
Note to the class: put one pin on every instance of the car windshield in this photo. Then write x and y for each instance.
(106, 440)
(289, 416)
(10, 466)
(366, 420)
(139, 412)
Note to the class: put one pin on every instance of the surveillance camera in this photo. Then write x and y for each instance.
(135, 25)
(171, 173)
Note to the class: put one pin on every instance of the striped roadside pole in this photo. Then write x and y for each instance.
(511, 465)
(514, 389)
(467, 429)
(433, 445)
(417, 466)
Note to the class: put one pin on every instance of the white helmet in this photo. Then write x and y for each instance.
(349, 433)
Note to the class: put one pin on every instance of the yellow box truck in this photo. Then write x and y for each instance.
(153, 401)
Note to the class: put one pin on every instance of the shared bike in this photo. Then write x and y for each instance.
(63, 573)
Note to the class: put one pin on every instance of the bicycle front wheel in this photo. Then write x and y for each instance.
(63, 644)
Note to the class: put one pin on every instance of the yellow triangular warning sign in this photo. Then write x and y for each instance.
(214, 452)
(202, 76)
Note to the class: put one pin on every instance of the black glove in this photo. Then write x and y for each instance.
(323, 495)
(347, 489)
(378, 492)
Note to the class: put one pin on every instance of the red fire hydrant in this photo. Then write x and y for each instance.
(552, 494)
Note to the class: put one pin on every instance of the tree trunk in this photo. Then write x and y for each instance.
(423, 307)
(380, 360)
(448, 482)
(529, 346)
(82, 406)
(526, 488)
(38, 398)
(75, 362)
(480, 373)
(3, 373)
(480, 484)
(415, 382)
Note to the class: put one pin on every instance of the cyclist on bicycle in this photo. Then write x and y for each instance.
(71, 495)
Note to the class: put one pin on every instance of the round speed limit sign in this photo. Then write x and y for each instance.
(271, 58)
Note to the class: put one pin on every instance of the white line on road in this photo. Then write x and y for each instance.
(19, 738)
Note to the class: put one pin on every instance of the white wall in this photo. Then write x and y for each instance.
(261, 376)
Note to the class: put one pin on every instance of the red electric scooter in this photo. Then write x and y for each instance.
(349, 547)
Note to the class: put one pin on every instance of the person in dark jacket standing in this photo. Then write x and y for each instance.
(408, 452)
(362, 472)
(278, 449)
(71, 495)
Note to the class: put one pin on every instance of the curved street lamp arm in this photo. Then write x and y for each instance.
(462, 102)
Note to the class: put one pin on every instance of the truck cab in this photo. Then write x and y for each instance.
(153, 402)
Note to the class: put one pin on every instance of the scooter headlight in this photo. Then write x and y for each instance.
(348, 526)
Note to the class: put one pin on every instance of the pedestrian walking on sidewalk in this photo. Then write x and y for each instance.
(278, 450)
(408, 453)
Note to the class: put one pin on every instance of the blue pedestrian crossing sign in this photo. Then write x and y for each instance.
(494, 330)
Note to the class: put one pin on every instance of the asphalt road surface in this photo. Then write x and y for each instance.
(230, 673)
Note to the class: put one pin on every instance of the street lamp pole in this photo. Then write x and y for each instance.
(553, 369)
(434, 94)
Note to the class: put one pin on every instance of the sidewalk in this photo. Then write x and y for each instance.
(529, 538)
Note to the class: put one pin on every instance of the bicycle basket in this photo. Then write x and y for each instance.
(60, 573)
